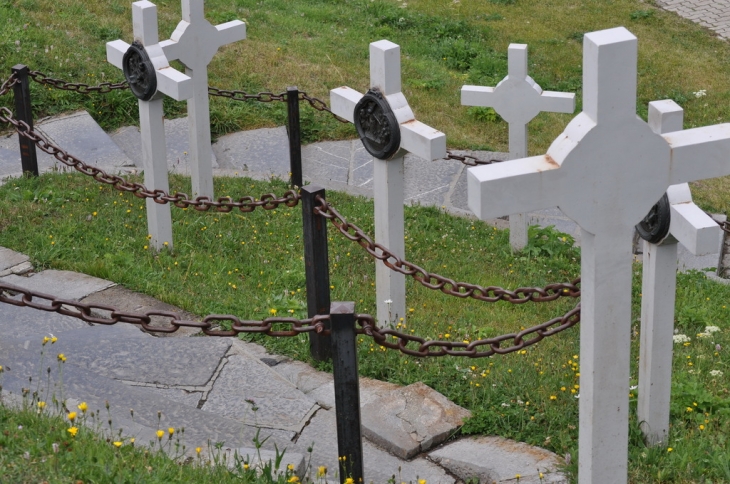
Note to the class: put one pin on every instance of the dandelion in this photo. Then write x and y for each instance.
(117, 444)
(553, 397)
(273, 311)
(702, 427)
(160, 434)
(198, 450)
(349, 480)
(71, 416)
(1, 368)
(83, 407)
(46, 339)
(61, 357)
(293, 478)
(669, 449)
(41, 405)
(422, 481)
(245, 467)
(321, 471)
(171, 430)
(73, 431)
(53, 339)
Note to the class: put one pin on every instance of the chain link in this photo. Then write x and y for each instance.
(320, 105)
(103, 88)
(8, 84)
(107, 315)
(268, 201)
(436, 282)
(470, 160)
(471, 349)
(265, 97)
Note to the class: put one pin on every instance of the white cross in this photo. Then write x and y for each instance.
(605, 171)
(518, 99)
(699, 233)
(151, 117)
(388, 188)
(194, 43)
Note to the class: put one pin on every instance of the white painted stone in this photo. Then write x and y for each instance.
(518, 99)
(388, 188)
(698, 233)
(605, 171)
(151, 116)
(194, 43)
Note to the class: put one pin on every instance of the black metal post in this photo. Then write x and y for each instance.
(347, 391)
(295, 138)
(23, 112)
(316, 268)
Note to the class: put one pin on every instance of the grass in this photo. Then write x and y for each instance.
(250, 265)
(43, 442)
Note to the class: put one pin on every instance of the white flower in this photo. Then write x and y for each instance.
(700, 93)
(633, 387)
(712, 329)
(505, 404)
(680, 338)
(716, 373)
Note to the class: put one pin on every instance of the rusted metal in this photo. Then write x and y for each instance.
(80, 87)
(268, 201)
(8, 84)
(470, 160)
(446, 285)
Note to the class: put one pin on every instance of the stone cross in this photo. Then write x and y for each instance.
(699, 233)
(194, 43)
(151, 117)
(605, 171)
(518, 99)
(388, 183)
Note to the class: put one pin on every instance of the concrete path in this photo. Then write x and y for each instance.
(713, 14)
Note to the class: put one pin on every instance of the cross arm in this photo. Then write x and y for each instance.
(699, 153)
(343, 101)
(477, 96)
(557, 102)
(518, 186)
(422, 140)
(230, 32)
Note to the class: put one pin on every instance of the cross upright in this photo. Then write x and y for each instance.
(151, 116)
(388, 183)
(518, 99)
(605, 171)
(699, 233)
(194, 43)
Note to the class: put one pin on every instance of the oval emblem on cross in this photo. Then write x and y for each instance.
(376, 125)
(139, 72)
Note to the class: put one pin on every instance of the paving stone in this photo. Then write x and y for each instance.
(23, 322)
(327, 161)
(125, 300)
(428, 182)
(411, 420)
(303, 376)
(362, 166)
(183, 397)
(279, 404)
(263, 152)
(81, 136)
(10, 258)
(177, 144)
(495, 459)
(379, 465)
(370, 390)
(61, 284)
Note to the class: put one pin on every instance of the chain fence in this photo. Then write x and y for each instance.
(209, 325)
(80, 87)
(446, 285)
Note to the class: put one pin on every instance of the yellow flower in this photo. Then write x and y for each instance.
(293, 479)
(53, 339)
(321, 471)
(422, 481)
(46, 339)
(71, 416)
(117, 444)
(349, 480)
(702, 427)
(41, 405)
(290, 467)
(553, 397)
(171, 430)
(131, 441)
(272, 311)
(73, 431)
(517, 476)
(61, 357)
(245, 467)
(669, 449)
(1, 368)
(160, 434)
(541, 475)
(197, 450)
(83, 407)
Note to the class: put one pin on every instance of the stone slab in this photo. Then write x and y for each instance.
(10, 259)
(129, 140)
(24, 322)
(495, 459)
(411, 420)
(379, 465)
(458, 197)
(61, 284)
(177, 362)
(262, 152)
(183, 397)
(126, 300)
(370, 391)
(428, 182)
(279, 404)
(303, 376)
(327, 161)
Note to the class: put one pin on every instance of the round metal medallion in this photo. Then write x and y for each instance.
(139, 72)
(377, 126)
(655, 225)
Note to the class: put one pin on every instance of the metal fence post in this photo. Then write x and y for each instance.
(347, 391)
(295, 138)
(24, 112)
(316, 267)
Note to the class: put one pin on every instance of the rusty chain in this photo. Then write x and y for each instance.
(108, 315)
(448, 286)
(469, 160)
(268, 201)
(470, 349)
(81, 88)
(8, 84)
